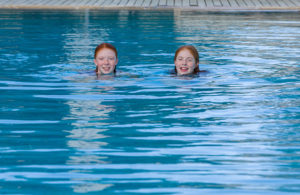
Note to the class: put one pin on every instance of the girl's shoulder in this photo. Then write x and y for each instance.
(203, 71)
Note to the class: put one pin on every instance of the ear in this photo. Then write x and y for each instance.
(96, 65)
(117, 60)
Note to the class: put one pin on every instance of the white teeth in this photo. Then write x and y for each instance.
(183, 68)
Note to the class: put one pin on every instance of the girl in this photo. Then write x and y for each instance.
(186, 60)
(105, 59)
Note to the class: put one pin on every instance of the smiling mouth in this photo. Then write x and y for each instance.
(184, 69)
(106, 69)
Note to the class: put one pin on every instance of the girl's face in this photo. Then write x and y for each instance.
(185, 62)
(106, 61)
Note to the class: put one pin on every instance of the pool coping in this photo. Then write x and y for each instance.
(160, 5)
(265, 9)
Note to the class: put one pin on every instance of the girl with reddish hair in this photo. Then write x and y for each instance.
(105, 59)
(186, 60)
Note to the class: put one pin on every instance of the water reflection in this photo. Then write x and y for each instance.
(88, 119)
(90, 187)
(232, 131)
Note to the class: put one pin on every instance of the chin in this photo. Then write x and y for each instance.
(106, 72)
(185, 73)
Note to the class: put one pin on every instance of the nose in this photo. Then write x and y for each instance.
(106, 61)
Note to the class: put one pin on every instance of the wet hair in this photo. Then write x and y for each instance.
(194, 53)
(105, 46)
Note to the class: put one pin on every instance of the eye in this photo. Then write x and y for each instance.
(190, 59)
(111, 58)
(100, 58)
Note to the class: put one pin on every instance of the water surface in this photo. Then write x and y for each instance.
(234, 130)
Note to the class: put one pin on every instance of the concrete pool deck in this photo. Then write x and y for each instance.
(200, 5)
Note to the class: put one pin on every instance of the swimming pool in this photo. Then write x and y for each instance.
(234, 130)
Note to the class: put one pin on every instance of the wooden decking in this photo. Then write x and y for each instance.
(154, 4)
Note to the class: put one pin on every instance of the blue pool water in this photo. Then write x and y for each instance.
(234, 130)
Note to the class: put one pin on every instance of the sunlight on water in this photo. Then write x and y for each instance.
(233, 130)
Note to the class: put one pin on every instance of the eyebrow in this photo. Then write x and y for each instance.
(107, 56)
(183, 57)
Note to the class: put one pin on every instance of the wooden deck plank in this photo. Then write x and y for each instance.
(48, 2)
(289, 3)
(201, 3)
(240, 3)
(28, 3)
(98, 3)
(4, 2)
(225, 3)
(114, 3)
(138, 3)
(39, 2)
(123, 3)
(62, 2)
(89, 3)
(51, 3)
(66, 3)
(163, 3)
(76, 3)
(281, 3)
(170, 3)
(185, 3)
(178, 3)
(22, 2)
(82, 3)
(256, 3)
(209, 3)
(264, 3)
(15, 2)
(193, 3)
(106, 3)
(249, 3)
(272, 3)
(73, 3)
(93, 3)
(217, 3)
(154, 3)
(275, 3)
(131, 3)
(233, 4)
(296, 2)
(146, 3)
